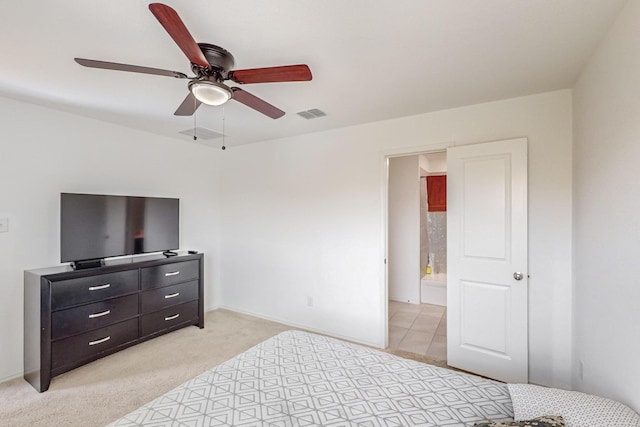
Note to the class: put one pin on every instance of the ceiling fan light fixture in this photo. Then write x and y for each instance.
(210, 92)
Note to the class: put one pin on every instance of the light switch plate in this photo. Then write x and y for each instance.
(4, 225)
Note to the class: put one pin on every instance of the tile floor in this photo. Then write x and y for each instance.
(418, 328)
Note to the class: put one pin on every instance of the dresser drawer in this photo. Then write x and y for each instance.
(70, 351)
(164, 319)
(67, 293)
(168, 274)
(160, 298)
(84, 318)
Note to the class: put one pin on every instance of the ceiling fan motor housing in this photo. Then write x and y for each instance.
(219, 59)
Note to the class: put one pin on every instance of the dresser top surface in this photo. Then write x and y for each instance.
(115, 264)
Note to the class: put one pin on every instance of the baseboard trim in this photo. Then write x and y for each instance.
(300, 326)
(10, 378)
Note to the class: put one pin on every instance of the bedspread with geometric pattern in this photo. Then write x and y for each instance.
(302, 379)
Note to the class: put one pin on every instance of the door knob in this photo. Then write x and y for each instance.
(517, 275)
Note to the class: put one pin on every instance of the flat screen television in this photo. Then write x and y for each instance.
(94, 226)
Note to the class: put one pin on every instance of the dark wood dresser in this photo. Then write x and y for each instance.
(72, 317)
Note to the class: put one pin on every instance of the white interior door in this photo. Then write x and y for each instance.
(487, 259)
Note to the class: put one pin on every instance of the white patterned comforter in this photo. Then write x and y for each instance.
(302, 379)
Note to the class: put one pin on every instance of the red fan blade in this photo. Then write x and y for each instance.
(286, 73)
(172, 23)
(91, 63)
(256, 103)
(188, 106)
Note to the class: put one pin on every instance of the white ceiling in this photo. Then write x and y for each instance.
(371, 60)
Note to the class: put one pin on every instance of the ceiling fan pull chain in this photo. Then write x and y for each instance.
(195, 113)
(223, 147)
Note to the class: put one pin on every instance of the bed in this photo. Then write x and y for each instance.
(302, 379)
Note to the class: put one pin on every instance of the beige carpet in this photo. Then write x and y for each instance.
(105, 390)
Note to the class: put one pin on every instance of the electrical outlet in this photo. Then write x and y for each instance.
(4, 225)
(309, 301)
(581, 369)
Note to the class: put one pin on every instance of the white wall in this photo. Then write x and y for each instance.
(308, 221)
(607, 215)
(434, 163)
(403, 243)
(44, 152)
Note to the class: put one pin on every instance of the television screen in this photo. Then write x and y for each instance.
(96, 226)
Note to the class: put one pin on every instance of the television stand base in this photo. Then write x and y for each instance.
(89, 263)
(169, 254)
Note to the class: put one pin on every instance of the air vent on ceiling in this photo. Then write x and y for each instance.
(201, 133)
(314, 113)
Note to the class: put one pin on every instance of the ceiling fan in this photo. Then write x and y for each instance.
(211, 65)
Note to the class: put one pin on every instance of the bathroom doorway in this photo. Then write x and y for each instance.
(417, 255)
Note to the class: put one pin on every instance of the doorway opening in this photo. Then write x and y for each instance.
(417, 255)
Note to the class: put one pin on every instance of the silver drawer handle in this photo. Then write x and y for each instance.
(173, 273)
(172, 295)
(97, 288)
(175, 316)
(105, 339)
(104, 313)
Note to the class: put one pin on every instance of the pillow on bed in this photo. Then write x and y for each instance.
(549, 421)
(577, 409)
